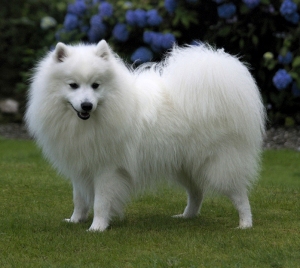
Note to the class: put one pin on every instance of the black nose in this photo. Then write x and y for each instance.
(86, 106)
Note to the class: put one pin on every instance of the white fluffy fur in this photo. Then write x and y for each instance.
(196, 119)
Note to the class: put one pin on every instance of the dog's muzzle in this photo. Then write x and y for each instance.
(86, 107)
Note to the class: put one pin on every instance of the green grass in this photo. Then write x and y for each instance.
(34, 200)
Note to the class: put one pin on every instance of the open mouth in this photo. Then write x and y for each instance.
(81, 115)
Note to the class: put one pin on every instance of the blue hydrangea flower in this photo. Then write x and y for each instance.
(136, 17)
(97, 30)
(293, 18)
(167, 41)
(295, 90)
(156, 42)
(251, 3)
(96, 20)
(71, 22)
(97, 2)
(105, 10)
(226, 11)
(159, 41)
(147, 37)
(96, 33)
(153, 18)
(142, 54)
(141, 17)
(286, 59)
(282, 79)
(288, 7)
(78, 8)
(288, 10)
(120, 32)
(130, 17)
(170, 5)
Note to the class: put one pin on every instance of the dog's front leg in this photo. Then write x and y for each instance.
(102, 209)
(81, 203)
(111, 193)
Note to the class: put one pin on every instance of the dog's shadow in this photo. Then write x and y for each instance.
(163, 223)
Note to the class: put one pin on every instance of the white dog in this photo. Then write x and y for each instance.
(196, 119)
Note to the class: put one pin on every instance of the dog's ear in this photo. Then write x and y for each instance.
(60, 52)
(103, 50)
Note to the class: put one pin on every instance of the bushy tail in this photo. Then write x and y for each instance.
(213, 87)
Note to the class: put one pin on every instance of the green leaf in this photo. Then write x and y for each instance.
(289, 121)
(283, 51)
(271, 65)
(294, 75)
(287, 42)
(225, 31)
(255, 40)
(242, 43)
(296, 62)
(244, 9)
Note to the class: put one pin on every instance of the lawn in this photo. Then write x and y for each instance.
(34, 200)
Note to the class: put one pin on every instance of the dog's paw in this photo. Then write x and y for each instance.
(245, 223)
(73, 220)
(98, 226)
(245, 226)
(179, 216)
(184, 216)
(77, 219)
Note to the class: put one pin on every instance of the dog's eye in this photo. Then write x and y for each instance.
(95, 85)
(74, 85)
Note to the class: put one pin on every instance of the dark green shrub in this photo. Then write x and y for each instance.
(265, 33)
(23, 41)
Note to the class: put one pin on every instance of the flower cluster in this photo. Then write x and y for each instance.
(47, 22)
(285, 59)
(105, 10)
(170, 5)
(142, 18)
(282, 79)
(287, 66)
(288, 9)
(226, 11)
(97, 28)
(251, 3)
(158, 41)
(142, 32)
(120, 32)
(96, 20)
(142, 54)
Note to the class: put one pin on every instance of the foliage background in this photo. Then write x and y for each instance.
(257, 30)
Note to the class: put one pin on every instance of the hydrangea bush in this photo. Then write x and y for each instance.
(266, 33)
(27, 30)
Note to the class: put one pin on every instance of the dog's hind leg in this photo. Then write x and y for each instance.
(194, 199)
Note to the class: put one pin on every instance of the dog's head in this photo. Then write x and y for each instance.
(83, 72)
